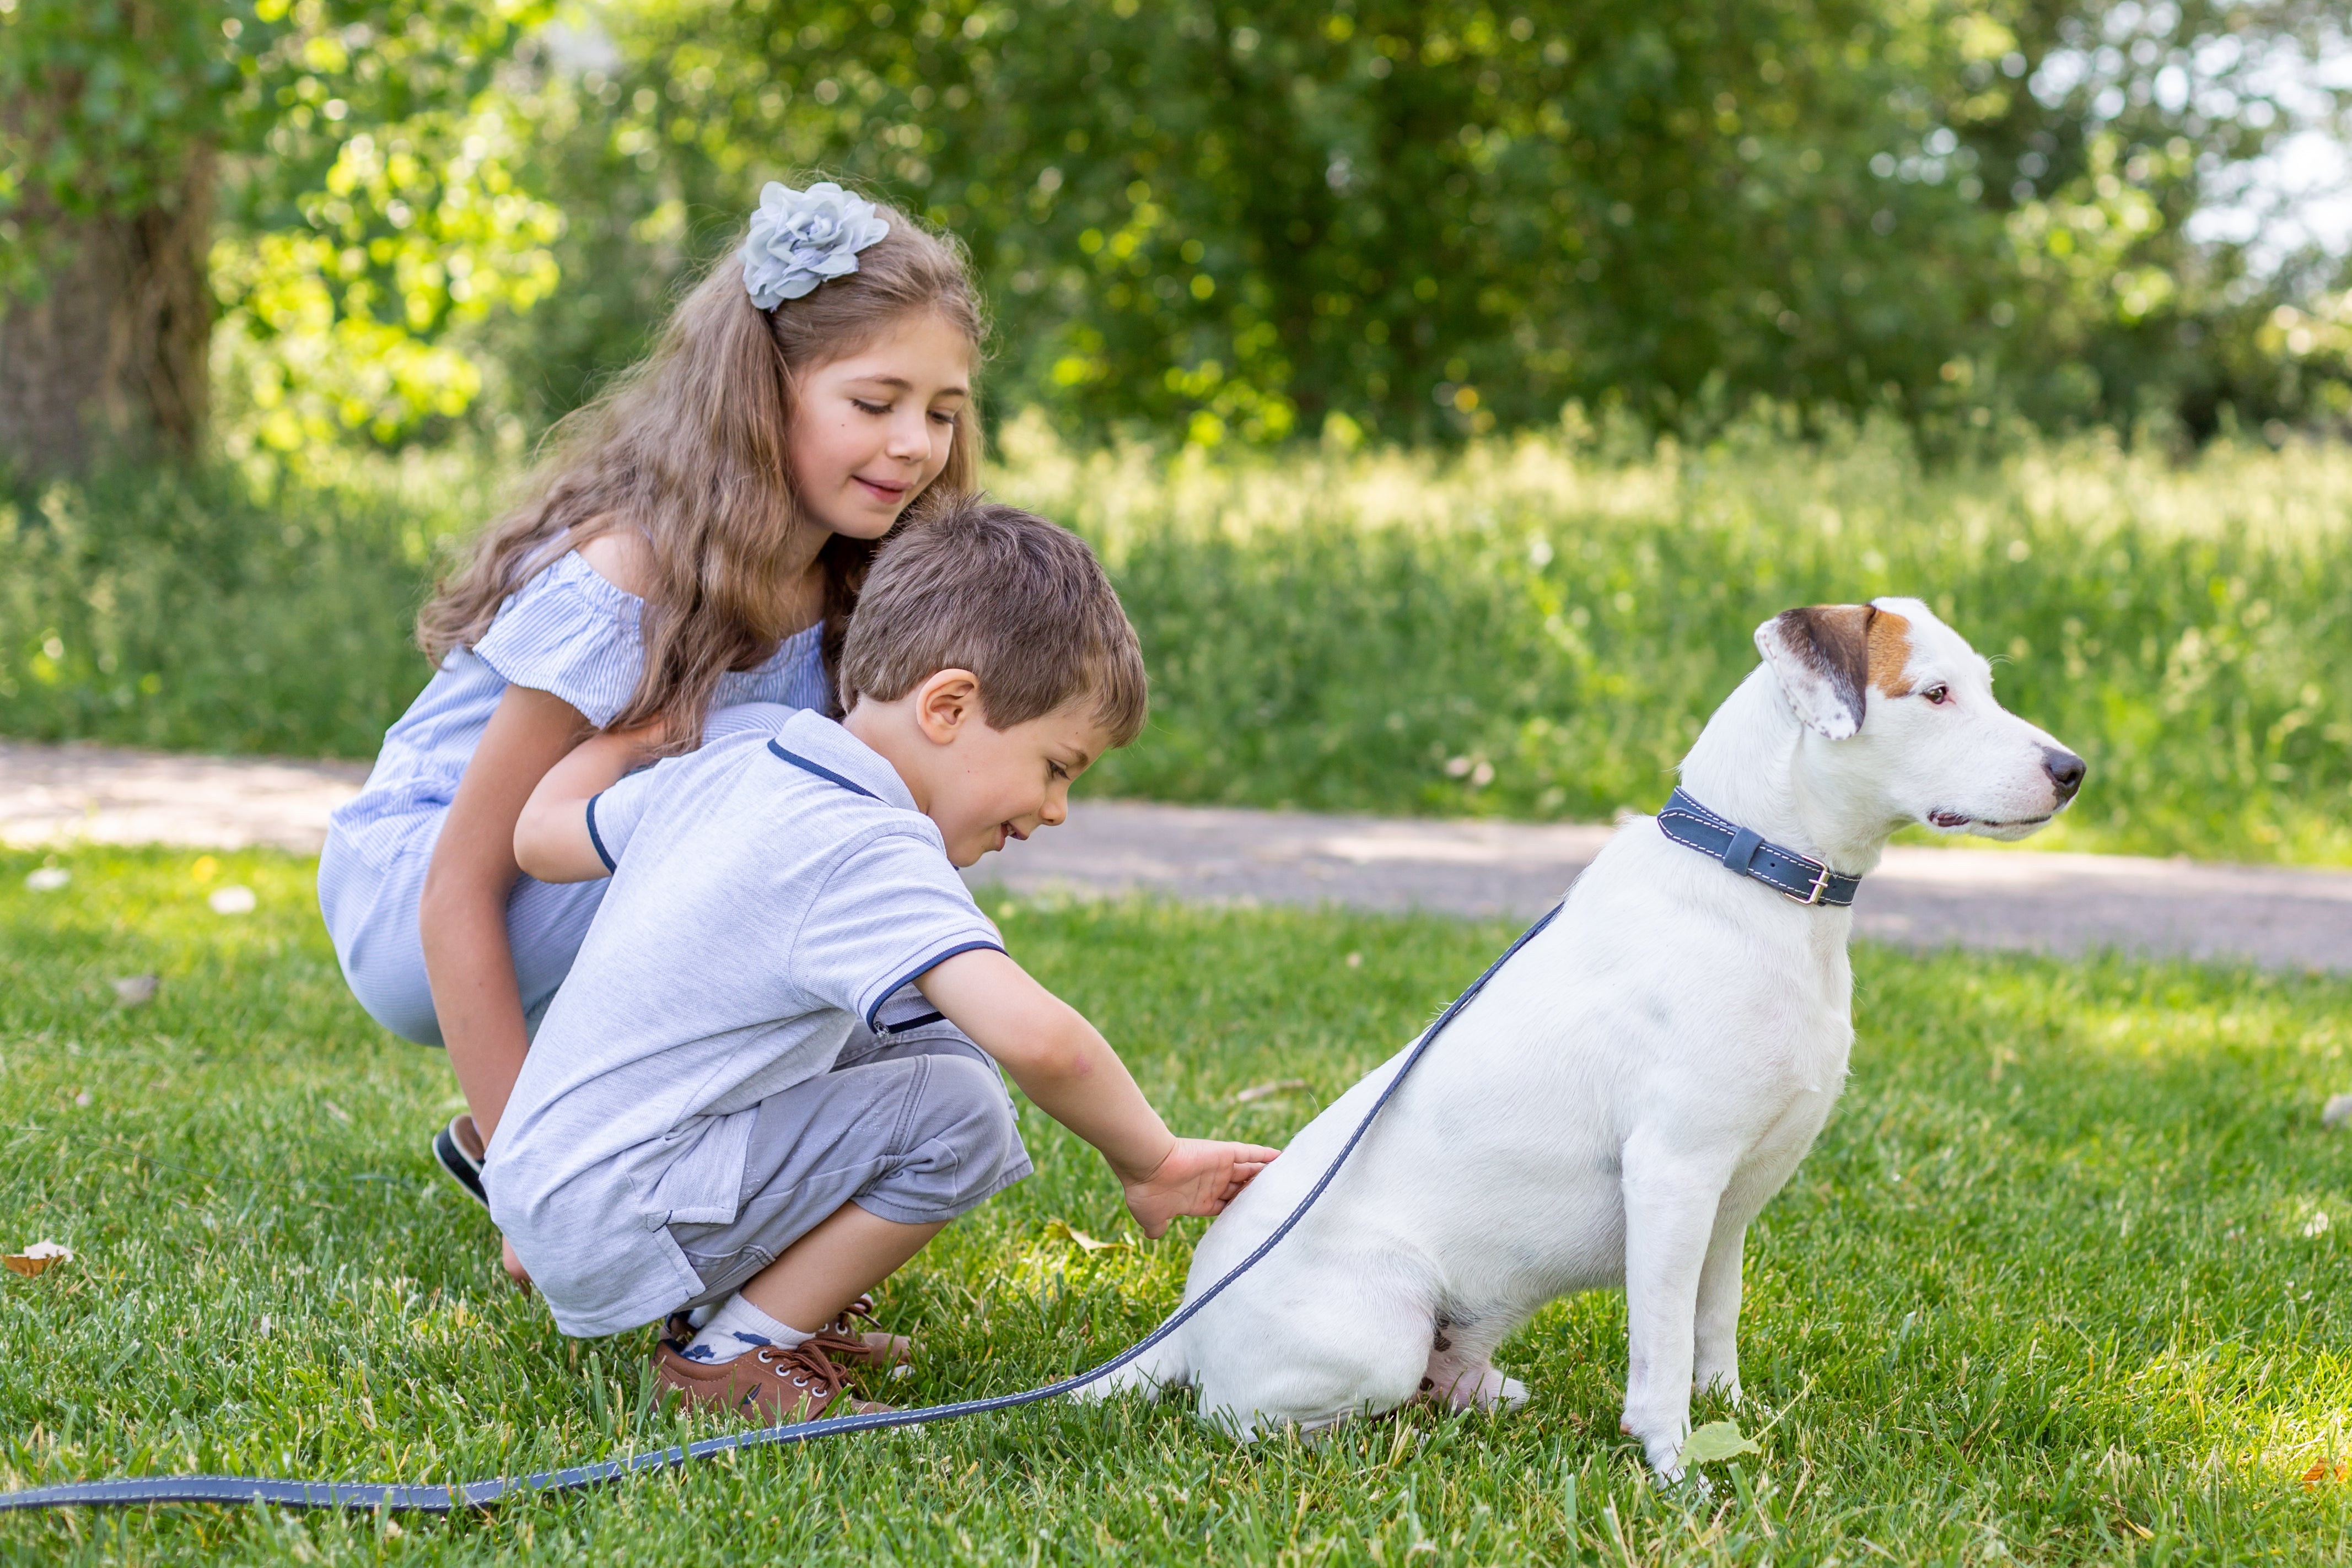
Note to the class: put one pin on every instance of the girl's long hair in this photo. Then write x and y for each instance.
(688, 447)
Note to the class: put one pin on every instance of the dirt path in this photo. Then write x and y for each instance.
(1978, 898)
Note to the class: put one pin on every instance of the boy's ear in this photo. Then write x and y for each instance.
(945, 702)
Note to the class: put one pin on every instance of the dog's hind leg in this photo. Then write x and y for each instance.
(1357, 1348)
(1461, 1372)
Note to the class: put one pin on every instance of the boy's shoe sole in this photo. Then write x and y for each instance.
(451, 1156)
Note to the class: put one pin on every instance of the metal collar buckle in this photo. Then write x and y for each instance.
(1821, 885)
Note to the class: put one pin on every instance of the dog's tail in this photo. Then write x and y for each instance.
(1165, 1366)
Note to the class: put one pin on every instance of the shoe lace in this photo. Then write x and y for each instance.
(843, 1336)
(804, 1366)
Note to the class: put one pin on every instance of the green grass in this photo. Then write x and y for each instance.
(1533, 630)
(2051, 1287)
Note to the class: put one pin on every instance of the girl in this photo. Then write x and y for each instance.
(696, 539)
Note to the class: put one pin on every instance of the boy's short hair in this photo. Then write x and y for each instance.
(1021, 603)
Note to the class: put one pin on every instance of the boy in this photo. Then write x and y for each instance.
(771, 1077)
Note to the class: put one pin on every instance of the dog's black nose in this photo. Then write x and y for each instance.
(2065, 772)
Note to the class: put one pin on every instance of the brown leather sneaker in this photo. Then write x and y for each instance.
(773, 1386)
(843, 1339)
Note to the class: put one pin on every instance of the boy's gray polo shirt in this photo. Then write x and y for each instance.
(769, 896)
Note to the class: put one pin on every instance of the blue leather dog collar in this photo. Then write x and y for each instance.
(1801, 878)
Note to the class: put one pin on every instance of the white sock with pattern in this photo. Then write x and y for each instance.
(739, 1326)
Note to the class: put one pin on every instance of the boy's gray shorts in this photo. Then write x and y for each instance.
(919, 1130)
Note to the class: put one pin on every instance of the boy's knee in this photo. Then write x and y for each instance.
(969, 1099)
(966, 1109)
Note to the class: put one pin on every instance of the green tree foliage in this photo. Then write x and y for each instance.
(366, 173)
(1431, 218)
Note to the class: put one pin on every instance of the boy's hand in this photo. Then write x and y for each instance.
(1199, 1175)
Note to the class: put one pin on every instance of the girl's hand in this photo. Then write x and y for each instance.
(1199, 1175)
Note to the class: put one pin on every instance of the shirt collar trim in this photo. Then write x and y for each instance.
(818, 745)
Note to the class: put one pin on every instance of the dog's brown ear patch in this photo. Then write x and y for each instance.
(1890, 653)
(1823, 655)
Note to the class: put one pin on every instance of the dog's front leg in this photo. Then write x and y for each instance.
(1671, 1199)
(1718, 1310)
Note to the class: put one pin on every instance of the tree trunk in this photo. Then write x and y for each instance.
(108, 354)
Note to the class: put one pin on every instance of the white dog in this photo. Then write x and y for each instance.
(1631, 1086)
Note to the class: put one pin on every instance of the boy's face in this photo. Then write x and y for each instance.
(997, 785)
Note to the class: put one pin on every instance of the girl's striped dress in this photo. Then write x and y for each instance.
(566, 632)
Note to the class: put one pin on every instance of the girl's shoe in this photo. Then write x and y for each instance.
(457, 1148)
(771, 1385)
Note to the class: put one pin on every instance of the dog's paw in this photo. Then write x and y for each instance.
(1510, 1394)
(1486, 1388)
(1688, 1485)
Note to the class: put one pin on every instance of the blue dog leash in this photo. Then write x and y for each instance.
(368, 1496)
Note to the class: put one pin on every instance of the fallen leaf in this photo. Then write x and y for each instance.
(49, 879)
(1266, 1090)
(1086, 1243)
(2336, 1111)
(135, 990)
(1717, 1440)
(232, 901)
(36, 1257)
(2324, 1472)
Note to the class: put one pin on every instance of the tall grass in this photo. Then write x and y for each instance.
(1540, 629)
(1531, 629)
(201, 611)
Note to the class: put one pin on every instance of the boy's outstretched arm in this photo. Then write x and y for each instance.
(554, 838)
(1064, 1064)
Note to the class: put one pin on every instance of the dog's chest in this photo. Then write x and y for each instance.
(1796, 1053)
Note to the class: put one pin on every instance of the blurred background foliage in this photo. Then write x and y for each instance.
(1451, 387)
(351, 165)
(1408, 222)
(1440, 219)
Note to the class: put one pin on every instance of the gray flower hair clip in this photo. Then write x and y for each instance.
(800, 238)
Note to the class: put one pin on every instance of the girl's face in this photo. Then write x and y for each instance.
(872, 429)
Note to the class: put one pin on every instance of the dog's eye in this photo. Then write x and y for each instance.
(1938, 695)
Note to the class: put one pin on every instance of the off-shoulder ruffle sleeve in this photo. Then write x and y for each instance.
(571, 634)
